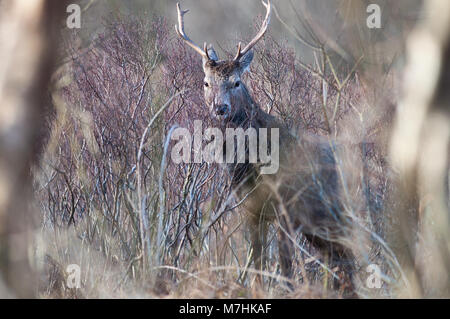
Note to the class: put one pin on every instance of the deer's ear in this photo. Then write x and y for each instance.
(246, 60)
(212, 55)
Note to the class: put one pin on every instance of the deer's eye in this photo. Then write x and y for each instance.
(206, 85)
(237, 84)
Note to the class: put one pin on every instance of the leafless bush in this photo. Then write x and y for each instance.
(114, 203)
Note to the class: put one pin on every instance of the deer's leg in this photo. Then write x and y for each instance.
(285, 248)
(258, 232)
(343, 258)
(339, 258)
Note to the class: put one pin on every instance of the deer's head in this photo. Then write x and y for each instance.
(225, 94)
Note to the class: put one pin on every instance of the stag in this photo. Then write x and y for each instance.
(304, 193)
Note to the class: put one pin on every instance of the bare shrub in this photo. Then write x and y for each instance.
(113, 201)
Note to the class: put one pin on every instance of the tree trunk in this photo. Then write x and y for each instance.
(28, 33)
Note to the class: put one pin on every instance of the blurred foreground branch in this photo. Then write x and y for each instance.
(420, 154)
(27, 52)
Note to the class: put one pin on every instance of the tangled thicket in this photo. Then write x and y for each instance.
(114, 203)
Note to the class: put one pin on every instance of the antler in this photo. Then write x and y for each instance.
(258, 36)
(180, 31)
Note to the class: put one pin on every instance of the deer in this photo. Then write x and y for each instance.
(303, 194)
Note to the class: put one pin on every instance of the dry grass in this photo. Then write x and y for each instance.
(141, 226)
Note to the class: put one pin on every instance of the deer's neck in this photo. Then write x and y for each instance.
(249, 113)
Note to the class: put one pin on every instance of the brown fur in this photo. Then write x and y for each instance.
(303, 194)
(222, 68)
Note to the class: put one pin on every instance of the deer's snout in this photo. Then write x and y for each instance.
(222, 109)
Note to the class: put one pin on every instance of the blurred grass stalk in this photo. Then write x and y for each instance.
(27, 52)
(420, 154)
